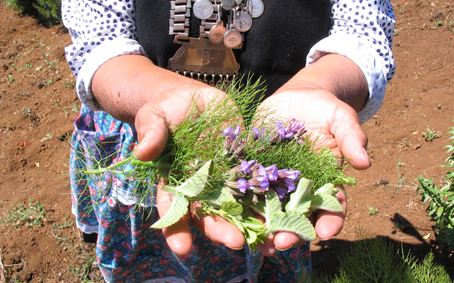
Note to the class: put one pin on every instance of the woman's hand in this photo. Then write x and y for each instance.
(132, 89)
(326, 96)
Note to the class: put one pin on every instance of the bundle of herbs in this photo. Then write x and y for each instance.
(238, 163)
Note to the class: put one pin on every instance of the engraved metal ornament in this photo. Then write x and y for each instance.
(256, 8)
(217, 32)
(232, 38)
(227, 4)
(243, 21)
(202, 9)
(202, 60)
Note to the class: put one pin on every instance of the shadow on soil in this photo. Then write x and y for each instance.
(327, 260)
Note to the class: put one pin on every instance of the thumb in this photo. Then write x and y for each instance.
(352, 141)
(152, 132)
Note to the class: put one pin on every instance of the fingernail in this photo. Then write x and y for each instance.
(325, 239)
(140, 145)
(282, 250)
(236, 249)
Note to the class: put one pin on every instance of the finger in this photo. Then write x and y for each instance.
(267, 248)
(280, 241)
(217, 229)
(152, 132)
(286, 240)
(178, 236)
(351, 139)
(329, 224)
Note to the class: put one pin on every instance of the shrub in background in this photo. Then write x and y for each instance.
(47, 12)
(375, 261)
(441, 202)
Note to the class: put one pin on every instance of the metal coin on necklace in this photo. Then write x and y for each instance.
(243, 21)
(203, 9)
(255, 7)
(232, 38)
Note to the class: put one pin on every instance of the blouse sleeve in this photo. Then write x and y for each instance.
(363, 31)
(100, 30)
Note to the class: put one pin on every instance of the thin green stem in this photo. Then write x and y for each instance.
(110, 167)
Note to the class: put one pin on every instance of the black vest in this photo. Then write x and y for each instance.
(275, 48)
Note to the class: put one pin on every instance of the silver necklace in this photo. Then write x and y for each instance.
(210, 58)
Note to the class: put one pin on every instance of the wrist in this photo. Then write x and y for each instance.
(335, 74)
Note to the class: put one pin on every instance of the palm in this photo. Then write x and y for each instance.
(333, 122)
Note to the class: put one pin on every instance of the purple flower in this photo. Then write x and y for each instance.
(242, 185)
(295, 128)
(290, 184)
(246, 166)
(230, 133)
(289, 174)
(258, 133)
(281, 192)
(227, 131)
(283, 132)
(271, 172)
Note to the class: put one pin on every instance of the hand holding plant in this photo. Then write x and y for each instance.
(231, 174)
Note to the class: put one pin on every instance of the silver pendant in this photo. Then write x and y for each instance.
(256, 8)
(227, 4)
(203, 9)
(217, 32)
(243, 21)
(232, 38)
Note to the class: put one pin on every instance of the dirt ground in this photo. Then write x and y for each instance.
(38, 104)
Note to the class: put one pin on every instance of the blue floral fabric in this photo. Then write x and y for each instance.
(127, 249)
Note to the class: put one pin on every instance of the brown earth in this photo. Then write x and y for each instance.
(38, 104)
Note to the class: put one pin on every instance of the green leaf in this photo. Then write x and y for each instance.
(294, 222)
(252, 223)
(178, 208)
(172, 190)
(259, 207)
(254, 232)
(216, 197)
(300, 199)
(251, 237)
(232, 208)
(326, 189)
(196, 184)
(325, 202)
(273, 205)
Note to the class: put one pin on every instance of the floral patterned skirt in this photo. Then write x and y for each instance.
(127, 249)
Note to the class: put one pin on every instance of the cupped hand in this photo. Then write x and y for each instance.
(134, 90)
(336, 125)
(152, 123)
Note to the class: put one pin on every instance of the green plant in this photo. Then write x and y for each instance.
(69, 83)
(27, 66)
(438, 24)
(221, 175)
(10, 78)
(31, 215)
(52, 64)
(47, 137)
(430, 135)
(374, 260)
(49, 11)
(84, 269)
(372, 211)
(46, 11)
(401, 180)
(425, 271)
(441, 202)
